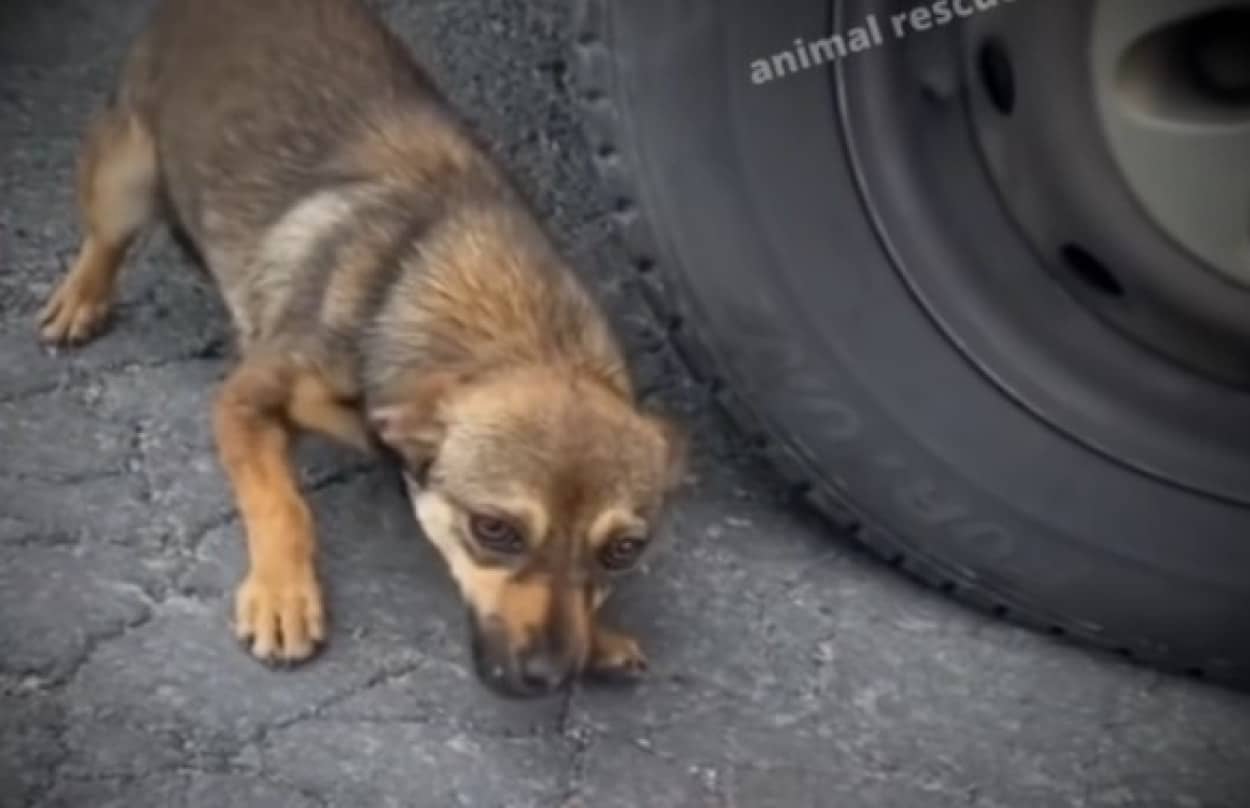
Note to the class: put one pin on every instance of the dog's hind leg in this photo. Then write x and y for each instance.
(117, 198)
(278, 608)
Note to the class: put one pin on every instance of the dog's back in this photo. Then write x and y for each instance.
(249, 101)
(287, 129)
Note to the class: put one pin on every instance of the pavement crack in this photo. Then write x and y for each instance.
(131, 778)
(200, 531)
(64, 478)
(314, 711)
(79, 371)
(582, 738)
(34, 537)
(137, 461)
(26, 394)
(93, 643)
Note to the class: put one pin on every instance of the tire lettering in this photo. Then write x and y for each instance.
(922, 498)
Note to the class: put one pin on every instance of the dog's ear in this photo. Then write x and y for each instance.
(408, 419)
(676, 448)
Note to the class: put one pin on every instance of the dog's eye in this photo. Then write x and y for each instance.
(496, 534)
(621, 553)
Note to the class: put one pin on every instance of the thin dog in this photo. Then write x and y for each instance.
(388, 288)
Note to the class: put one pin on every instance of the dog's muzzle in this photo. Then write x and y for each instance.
(529, 672)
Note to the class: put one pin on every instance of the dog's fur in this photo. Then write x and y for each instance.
(387, 285)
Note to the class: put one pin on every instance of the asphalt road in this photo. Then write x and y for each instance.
(787, 669)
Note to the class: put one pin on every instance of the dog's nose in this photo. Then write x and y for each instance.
(541, 672)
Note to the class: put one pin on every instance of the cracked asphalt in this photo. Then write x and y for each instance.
(788, 670)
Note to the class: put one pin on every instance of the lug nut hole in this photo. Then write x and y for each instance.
(1090, 271)
(998, 76)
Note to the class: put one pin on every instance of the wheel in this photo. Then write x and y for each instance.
(980, 289)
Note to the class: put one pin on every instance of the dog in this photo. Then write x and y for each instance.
(389, 288)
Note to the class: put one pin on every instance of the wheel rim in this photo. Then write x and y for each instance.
(1173, 89)
(1162, 182)
(1020, 263)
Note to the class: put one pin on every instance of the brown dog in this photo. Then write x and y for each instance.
(385, 281)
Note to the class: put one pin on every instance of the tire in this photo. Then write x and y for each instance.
(739, 208)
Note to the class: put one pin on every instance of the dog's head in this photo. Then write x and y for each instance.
(537, 488)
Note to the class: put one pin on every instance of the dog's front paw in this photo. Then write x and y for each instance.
(280, 615)
(73, 315)
(616, 656)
